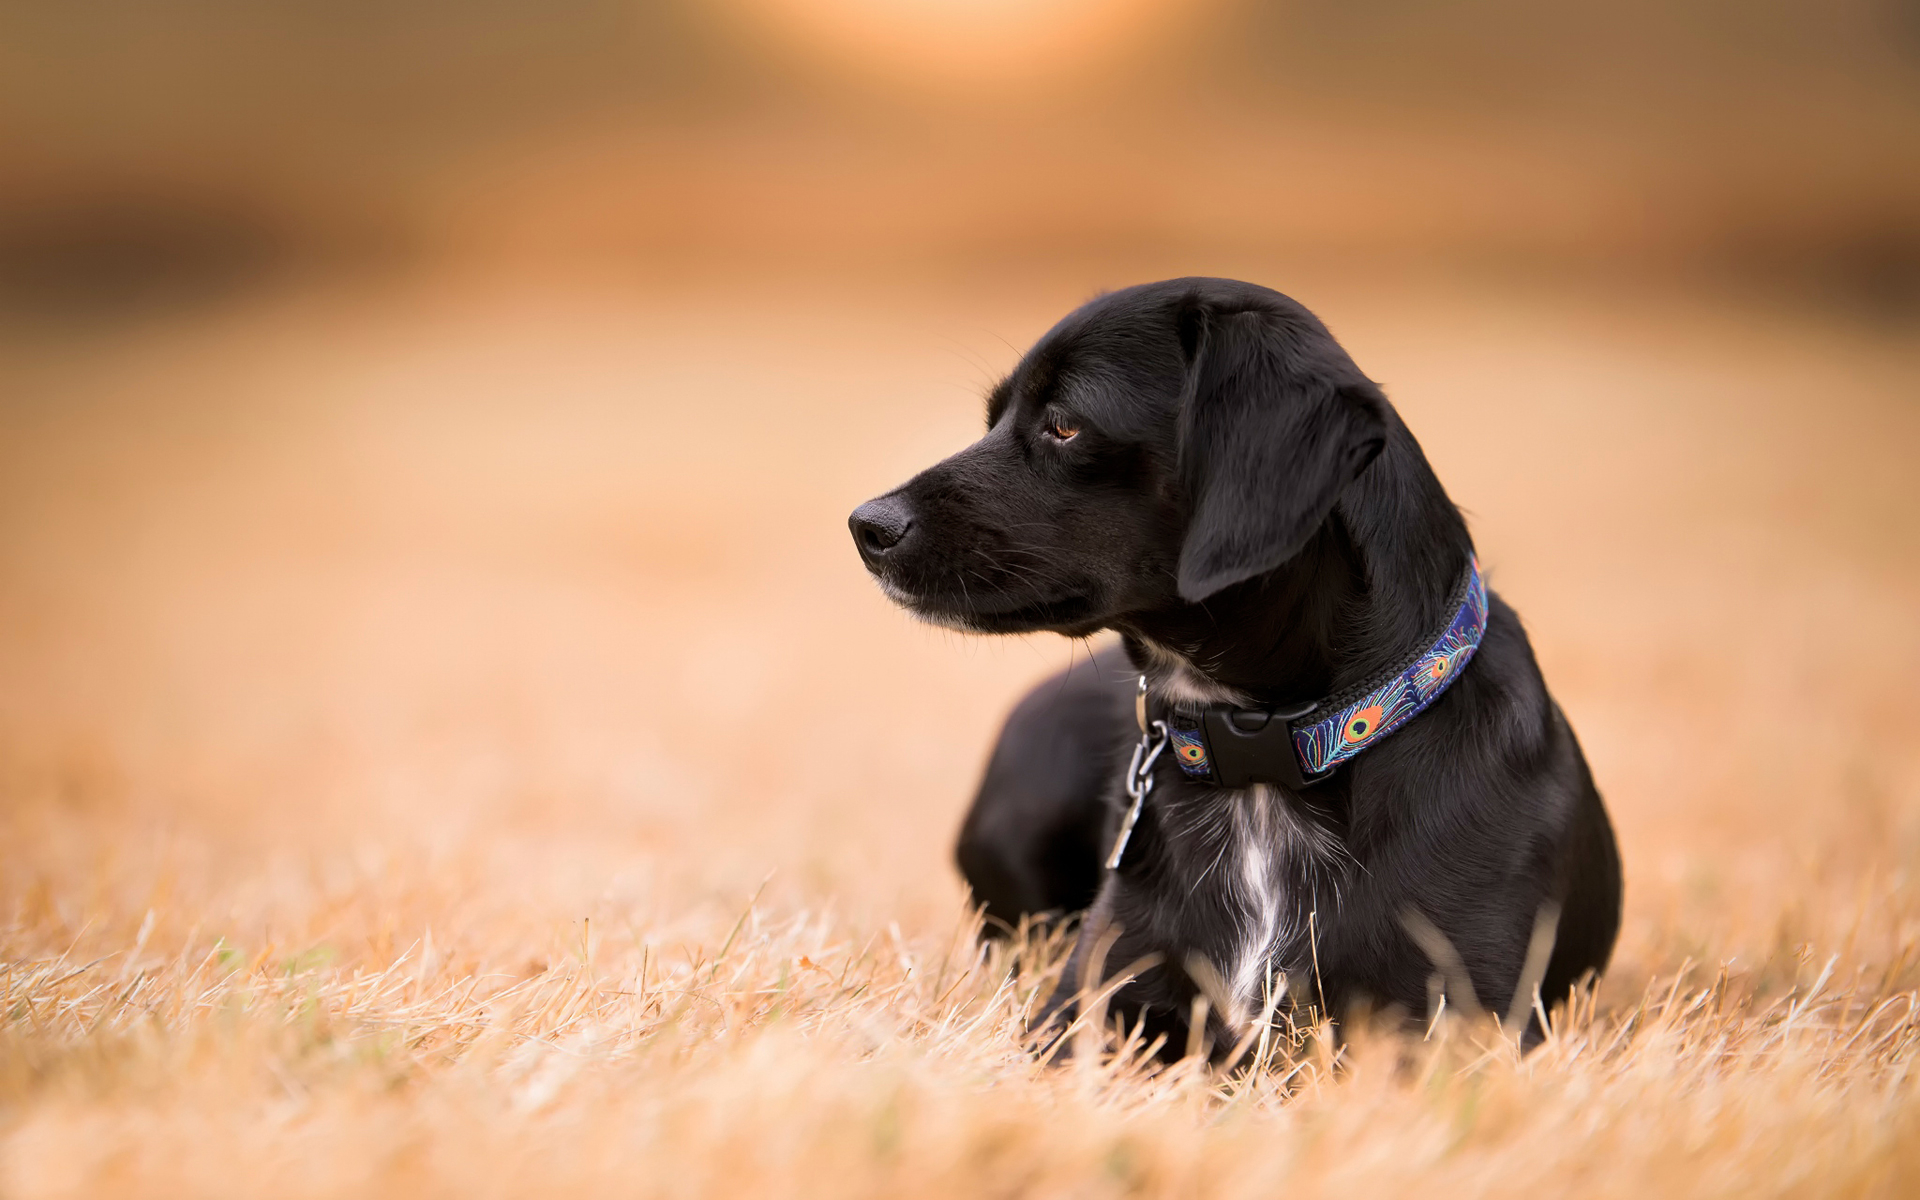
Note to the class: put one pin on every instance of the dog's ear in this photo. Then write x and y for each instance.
(1276, 421)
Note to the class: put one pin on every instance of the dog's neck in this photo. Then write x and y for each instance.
(1363, 594)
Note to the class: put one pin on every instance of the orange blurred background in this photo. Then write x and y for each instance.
(427, 432)
(427, 429)
(176, 147)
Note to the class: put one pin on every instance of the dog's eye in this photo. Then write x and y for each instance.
(1061, 429)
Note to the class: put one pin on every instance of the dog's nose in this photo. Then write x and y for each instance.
(880, 525)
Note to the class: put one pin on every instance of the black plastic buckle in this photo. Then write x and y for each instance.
(1255, 745)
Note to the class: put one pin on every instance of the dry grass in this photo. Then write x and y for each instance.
(402, 697)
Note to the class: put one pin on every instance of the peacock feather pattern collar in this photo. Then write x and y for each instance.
(1208, 745)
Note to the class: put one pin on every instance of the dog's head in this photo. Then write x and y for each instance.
(1159, 444)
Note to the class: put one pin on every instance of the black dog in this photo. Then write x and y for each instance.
(1199, 465)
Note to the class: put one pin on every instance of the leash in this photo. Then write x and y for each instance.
(1299, 746)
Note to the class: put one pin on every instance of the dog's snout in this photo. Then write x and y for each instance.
(879, 526)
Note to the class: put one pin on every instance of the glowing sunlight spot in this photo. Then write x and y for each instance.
(948, 42)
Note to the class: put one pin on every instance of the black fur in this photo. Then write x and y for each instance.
(1249, 512)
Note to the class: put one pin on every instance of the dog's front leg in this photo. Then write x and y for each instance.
(1115, 974)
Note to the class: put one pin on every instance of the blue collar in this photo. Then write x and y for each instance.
(1298, 747)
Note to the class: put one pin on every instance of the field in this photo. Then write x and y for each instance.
(448, 746)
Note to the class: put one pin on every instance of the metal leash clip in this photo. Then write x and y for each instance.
(1139, 772)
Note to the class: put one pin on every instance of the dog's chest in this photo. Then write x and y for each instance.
(1241, 870)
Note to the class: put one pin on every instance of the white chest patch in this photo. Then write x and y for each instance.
(1273, 856)
(1260, 894)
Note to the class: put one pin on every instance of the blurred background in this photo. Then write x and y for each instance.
(153, 151)
(426, 429)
